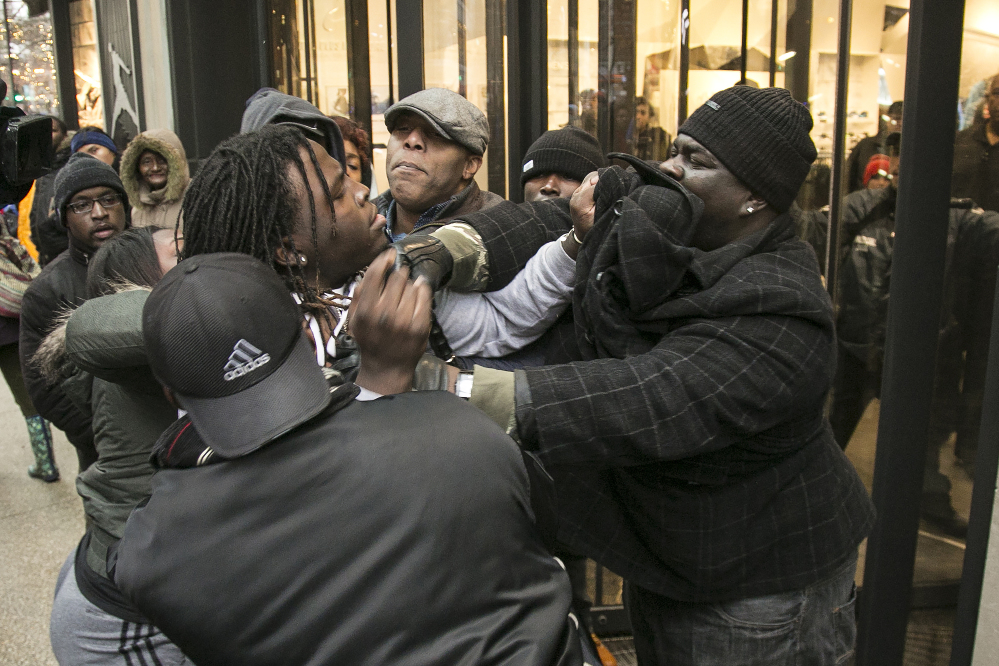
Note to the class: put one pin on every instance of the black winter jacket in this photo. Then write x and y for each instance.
(99, 355)
(965, 314)
(104, 338)
(397, 531)
(60, 286)
(976, 168)
(690, 455)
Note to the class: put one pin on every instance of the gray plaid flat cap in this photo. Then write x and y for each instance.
(450, 114)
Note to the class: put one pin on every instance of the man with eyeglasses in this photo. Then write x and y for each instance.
(976, 155)
(91, 204)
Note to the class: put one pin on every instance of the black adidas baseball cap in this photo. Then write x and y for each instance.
(224, 334)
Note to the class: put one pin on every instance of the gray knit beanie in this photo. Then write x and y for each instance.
(569, 152)
(82, 172)
(761, 136)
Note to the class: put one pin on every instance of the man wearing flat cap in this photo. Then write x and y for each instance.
(437, 141)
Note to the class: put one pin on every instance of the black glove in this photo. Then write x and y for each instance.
(430, 374)
(426, 256)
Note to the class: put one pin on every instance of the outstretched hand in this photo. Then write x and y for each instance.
(582, 208)
(390, 319)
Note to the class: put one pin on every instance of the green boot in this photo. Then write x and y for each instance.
(41, 445)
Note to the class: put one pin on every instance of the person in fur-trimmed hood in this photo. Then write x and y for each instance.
(155, 174)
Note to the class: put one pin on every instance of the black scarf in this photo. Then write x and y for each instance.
(637, 277)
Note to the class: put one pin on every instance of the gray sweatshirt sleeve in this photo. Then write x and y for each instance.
(494, 324)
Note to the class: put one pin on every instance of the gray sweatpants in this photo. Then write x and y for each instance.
(84, 635)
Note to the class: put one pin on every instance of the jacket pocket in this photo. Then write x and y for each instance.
(845, 623)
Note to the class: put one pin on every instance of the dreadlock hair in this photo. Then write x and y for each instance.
(128, 259)
(243, 200)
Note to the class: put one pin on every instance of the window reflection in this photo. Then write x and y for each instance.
(454, 55)
(86, 64)
(573, 84)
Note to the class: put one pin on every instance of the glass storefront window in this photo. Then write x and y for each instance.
(572, 85)
(715, 49)
(309, 52)
(658, 78)
(86, 64)
(454, 55)
(329, 73)
(381, 41)
(27, 59)
(877, 78)
(384, 80)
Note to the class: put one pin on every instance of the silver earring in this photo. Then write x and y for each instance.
(302, 260)
(749, 209)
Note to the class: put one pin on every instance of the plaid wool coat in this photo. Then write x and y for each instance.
(689, 449)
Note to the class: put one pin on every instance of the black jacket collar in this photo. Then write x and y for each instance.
(79, 254)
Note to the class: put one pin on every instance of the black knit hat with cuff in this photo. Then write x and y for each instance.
(761, 136)
(569, 152)
(82, 172)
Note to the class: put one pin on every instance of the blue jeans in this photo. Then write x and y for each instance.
(814, 626)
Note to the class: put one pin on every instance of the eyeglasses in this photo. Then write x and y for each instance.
(85, 206)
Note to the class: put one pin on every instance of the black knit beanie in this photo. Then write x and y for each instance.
(82, 172)
(761, 136)
(569, 152)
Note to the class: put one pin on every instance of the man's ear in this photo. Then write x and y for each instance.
(283, 256)
(754, 204)
(472, 165)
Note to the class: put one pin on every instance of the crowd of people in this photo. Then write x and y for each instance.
(972, 255)
(316, 426)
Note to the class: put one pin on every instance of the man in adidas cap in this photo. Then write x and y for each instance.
(290, 523)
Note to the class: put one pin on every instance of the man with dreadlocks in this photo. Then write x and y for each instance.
(280, 197)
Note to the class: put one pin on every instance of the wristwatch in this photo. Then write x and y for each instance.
(463, 385)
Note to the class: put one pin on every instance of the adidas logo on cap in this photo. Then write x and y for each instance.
(245, 358)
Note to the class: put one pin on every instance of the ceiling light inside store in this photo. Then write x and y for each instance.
(787, 56)
(814, 97)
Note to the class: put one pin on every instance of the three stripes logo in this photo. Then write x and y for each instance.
(244, 358)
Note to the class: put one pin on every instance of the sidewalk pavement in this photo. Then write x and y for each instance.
(40, 523)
